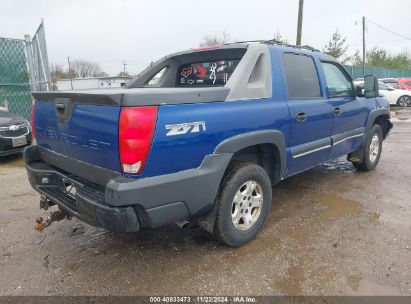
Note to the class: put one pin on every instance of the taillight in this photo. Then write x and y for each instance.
(136, 131)
(33, 130)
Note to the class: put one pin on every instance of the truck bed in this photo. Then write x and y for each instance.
(140, 96)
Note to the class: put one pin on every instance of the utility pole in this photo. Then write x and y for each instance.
(124, 67)
(363, 46)
(300, 21)
(69, 70)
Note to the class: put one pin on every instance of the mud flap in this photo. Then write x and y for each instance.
(207, 222)
(356, 156)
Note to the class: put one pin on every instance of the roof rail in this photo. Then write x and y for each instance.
(305, 47)
(244, 41)
(277, 42)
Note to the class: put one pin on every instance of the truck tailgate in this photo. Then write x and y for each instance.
(83, 131)
(84, 125)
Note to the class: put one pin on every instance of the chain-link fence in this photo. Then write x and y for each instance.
(14, 77)
(38, 61)
(357, 72)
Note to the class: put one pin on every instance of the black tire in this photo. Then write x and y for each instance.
(404, 101)
(239, 174)
(368, 162)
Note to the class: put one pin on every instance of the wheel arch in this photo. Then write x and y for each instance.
(380, 117)
(266, 148)
(377, 116)
(269, 143)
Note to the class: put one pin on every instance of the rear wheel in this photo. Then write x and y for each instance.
(243, 204)
(372, 151)
(404, 101)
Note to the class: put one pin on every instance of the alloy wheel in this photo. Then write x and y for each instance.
(247, 204)
(374, 148)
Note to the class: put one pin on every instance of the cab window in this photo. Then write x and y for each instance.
(302, 78)
(338, 82)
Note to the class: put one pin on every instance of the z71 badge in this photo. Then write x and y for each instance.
(185, 128)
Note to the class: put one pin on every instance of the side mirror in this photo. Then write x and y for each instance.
(359, 90)
(390, 89)
(371, 89)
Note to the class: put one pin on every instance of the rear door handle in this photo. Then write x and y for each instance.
(337, 111)
(300, 116)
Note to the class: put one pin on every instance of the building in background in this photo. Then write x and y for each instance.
(91, 83)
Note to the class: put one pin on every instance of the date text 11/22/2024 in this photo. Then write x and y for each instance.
(202, 299)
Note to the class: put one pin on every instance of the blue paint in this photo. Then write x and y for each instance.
(91, 135)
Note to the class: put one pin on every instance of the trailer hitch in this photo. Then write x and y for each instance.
(45, 203)
(54, 216)
(51, 217)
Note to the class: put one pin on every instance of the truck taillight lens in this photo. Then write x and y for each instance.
(33, 130)
(136, 132)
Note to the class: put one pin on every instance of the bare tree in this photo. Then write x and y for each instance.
(123, 74)
(57, 72)
(215, 39)
(83, 69)
(278, 37)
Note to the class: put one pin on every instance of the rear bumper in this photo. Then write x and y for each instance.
(117, 203)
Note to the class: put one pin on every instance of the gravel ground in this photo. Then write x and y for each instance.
(331, 231)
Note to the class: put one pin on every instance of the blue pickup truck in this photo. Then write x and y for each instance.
(202, 136)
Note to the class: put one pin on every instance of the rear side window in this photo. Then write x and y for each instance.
(338, 83)
(301, 76)
(155, 80)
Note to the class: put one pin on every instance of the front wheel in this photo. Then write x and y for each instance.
(372, 151)
(404, 101)
(243, 204)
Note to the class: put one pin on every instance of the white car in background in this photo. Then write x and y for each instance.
(399, 97)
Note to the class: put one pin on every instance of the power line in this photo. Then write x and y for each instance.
(392, 41)
(382, 42)
(388, 30)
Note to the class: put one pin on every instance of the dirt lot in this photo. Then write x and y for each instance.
(331, 231)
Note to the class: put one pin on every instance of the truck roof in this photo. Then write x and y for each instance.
(249, 53)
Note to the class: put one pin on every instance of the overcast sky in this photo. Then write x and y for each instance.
(110, 31)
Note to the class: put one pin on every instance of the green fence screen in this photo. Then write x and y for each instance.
(14, 78)
(357, 72)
